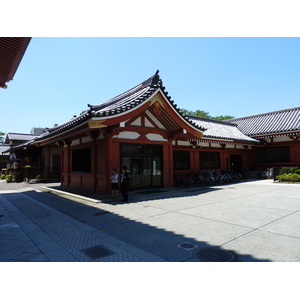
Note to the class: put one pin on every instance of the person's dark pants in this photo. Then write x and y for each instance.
(124, 191)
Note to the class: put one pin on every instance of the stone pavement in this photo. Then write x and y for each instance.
(255, 220)
(35, 232)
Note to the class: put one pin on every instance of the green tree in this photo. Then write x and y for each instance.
(222, 118)
(2, 137)
(204, 114)
(187, 112)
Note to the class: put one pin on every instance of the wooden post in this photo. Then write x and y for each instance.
(94, 135)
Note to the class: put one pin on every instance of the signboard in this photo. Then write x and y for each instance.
(97, 124)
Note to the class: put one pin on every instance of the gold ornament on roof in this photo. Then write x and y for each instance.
(158, 103)
(97, 124)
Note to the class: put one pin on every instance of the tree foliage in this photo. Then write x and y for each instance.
(204, 114)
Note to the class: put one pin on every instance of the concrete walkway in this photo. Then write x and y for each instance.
(256, 220)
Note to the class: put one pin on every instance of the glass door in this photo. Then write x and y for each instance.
(147, 173)
(157, 172)
(144, 162)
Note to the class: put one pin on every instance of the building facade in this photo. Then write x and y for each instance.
(22, 160)
(144, 129)
(279, 135)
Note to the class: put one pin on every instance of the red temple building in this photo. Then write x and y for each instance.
(144, 129)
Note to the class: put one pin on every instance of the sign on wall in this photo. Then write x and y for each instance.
(97, 124)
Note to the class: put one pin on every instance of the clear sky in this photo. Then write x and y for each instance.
(224, 57)
(58, 77)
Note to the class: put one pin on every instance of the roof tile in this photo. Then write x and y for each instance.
(285, 120)
(221, 130)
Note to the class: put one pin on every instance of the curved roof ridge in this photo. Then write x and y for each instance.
(265, 114)
(142, 87)
(221, 130)
(284, 120)
(117, 104)
(212, 120)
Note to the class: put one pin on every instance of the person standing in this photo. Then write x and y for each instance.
(125, 178)
(114, 183)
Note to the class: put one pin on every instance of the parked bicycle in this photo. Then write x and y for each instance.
(206, 178)
(181, 180)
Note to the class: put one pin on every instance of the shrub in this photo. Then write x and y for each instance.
(295, 177)
(2, 176)
(288, 170)
(8, 178)
(290, 177)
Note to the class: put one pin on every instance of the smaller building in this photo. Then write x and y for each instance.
(14, 139)
(4, 157)
(279, 135)
(25, 161)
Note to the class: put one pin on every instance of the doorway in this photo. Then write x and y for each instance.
(236, 163)
(144, 163)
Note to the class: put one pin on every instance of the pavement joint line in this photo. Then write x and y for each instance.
(260, 228)
(281, 234)
(219, 221)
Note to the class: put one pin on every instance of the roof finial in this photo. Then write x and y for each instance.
(155, 78)
(90, 106)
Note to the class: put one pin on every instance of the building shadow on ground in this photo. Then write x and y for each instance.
(168, 245)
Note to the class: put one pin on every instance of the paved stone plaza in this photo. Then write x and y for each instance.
(258, 221)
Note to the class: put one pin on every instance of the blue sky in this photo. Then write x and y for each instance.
(58, 77)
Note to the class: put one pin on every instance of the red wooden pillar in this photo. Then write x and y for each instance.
(168, 165)
(297, 151)
(294, 150)
(68, 160)
(246, 163)
(109, 159)
(94, 135)
(196, 165)
(61, 146)
(224, 161)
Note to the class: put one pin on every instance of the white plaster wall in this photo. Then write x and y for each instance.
(127, 135)
(282, 139)
(75, 142)
(155, 137)
(87, 139)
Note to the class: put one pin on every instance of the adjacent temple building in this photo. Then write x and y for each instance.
(144, 129)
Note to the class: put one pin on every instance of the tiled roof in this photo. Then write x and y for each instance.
(286, 120)
(12, 50)
(128, 99)
(121, 104)
(221, 130)
(20, 136)
(3, 148)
